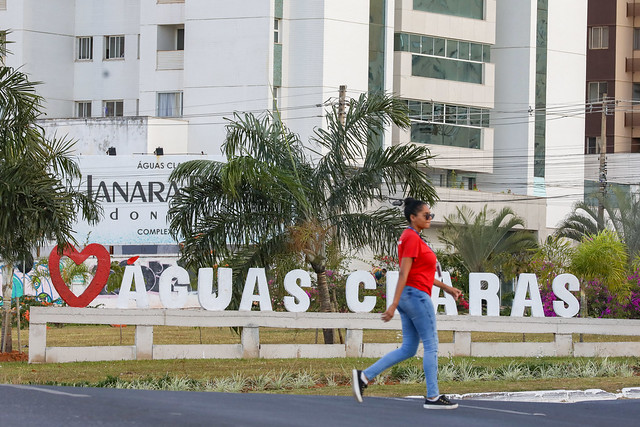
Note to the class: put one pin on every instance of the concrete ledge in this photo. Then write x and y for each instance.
(380, 349)
(89, 354)
(606, 349)
(309, 351)
(197, 351)
(513, 349)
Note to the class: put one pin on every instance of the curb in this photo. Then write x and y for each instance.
(557, 396)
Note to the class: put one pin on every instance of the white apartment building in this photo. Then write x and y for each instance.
(540, 57)
(138, 75)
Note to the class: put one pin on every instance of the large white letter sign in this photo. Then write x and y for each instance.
(352, 288)
(296, 291)
(140, 295)
(206, 298)
(392, 282)
(256, 275)
(568, 305)
(527, 282)
(450, 307)
(171, 299)
(490, 295)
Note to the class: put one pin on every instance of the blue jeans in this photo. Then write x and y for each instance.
(418, 324)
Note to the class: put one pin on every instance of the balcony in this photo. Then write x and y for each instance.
(632, 65)
(633, 9)
(170, 1)
(632, 119)
(170, 60)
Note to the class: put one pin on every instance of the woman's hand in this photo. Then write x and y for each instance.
(388, 315)
(454, 292)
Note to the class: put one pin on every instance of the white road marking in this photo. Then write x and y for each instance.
(44, 390)
(507, 411)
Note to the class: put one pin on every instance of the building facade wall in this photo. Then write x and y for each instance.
(232, 62)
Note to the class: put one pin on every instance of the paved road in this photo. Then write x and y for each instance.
(70, 406)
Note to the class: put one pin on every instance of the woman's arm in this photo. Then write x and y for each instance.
(454, 292)
(405, 266)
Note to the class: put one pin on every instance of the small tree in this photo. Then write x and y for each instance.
(602, 257)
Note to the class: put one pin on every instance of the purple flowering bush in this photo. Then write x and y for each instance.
(602, 303)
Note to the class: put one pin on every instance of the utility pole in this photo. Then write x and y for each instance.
(602, 173)
(342, 104)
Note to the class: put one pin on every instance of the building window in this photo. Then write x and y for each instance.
(276, 98)
(84, 48)
(113, 108)
(599, 38)
(276, 30)
(445, 124)
(114, 47)
(169, 104)
(636, 39)
(597, 90)
(447, 48)
(635, 93)
(464, 8)
(170, 37)
(3, 4)
(592, 145)
(446, 69)
(180, 39)
(472, 184)
(83, 109)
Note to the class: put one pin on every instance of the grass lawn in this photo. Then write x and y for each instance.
(330, 376)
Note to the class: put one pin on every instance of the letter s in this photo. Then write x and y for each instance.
(296, 292)
(568, 306)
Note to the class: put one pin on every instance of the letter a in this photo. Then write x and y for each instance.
(132, 272)
(256, 275)
(527, 282)
(450, 307)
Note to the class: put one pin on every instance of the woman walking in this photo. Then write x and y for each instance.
(413, 300)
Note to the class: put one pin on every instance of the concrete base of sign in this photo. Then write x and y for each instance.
(463, 327)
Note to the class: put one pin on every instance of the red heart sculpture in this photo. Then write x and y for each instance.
(99, 279)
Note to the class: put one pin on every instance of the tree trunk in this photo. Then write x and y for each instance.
(7, 288)
(325, 301)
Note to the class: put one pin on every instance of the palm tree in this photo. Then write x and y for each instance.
(623, 216)
(274, 197)
(38, 200)
(582, 221)
(485, 240)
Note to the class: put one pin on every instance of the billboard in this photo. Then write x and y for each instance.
(134, 191)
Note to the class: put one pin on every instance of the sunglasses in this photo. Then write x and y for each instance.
(429, 216)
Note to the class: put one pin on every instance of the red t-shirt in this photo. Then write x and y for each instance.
(423, 269)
